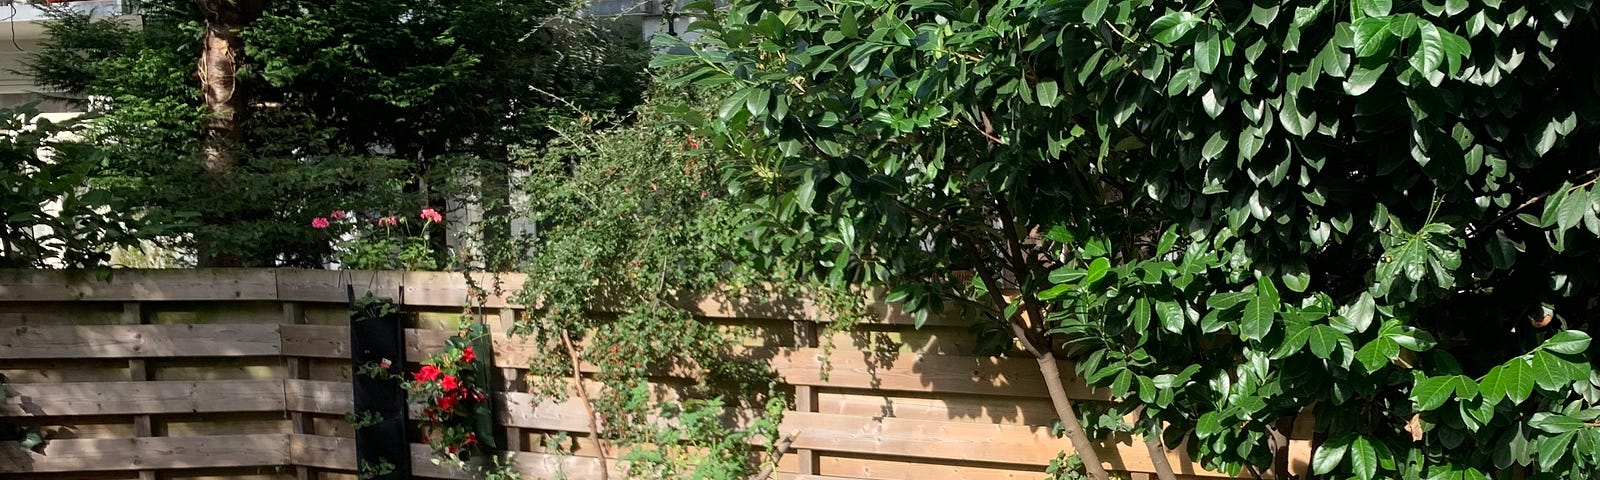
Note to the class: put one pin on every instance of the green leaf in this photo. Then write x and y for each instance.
(1363, 458)
(1264, 14)
(1140, 316)
(1377, 353)
(1330, 454)
(1046, 91)
(806, 193)
(1554, 423)
(1214, 145)
(1512, 380)
(1207, 51)
(1224, 301)
(1572, 209)
(1171, 314)
(1360, 313)
(1431, 393)
(1570, 342)
(1430, 49)
(734, 103)
(1553, 449)
(1173, 26)
(1374, 8)
(1095, 11)
(1374, 38)
(1363, 78)
(1323, 340)
(1257, 320)
(1097, 270)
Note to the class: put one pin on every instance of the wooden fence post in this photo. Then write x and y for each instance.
(139, 371)
(805, 396)
(294, 313)
(508, 318)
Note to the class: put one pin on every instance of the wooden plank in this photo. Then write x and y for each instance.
(328, 286)
(140, 341)
(318, 341)
(261, 450)
(1017, 377)
(886, 468)
(524, 410)
(909, 372)
(943, 406)
(138, 285)
(313, 396)
(958, 441)
(339, 454)
(142, 398)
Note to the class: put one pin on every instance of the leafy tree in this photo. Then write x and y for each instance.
(345, 105)
(49, 217)
(1225, 213)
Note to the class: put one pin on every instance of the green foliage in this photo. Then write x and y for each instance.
(356, 106)
(54, 214)
(1231, 211)
(629, 220)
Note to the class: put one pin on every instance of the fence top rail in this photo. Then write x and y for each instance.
(416, 289)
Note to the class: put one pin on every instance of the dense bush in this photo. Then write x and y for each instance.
(1225, 212)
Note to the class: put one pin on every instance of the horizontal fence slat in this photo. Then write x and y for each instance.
(138, 285)
(108, 454)
(1017, 377)
(319, 341)
(315, 396)
(140, 341)
(963, 441)
(142, 398)
(336, 453)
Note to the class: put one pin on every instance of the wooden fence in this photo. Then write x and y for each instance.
(234, 373)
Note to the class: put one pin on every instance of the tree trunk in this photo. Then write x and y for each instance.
(1158, 458)
(221, 54)
(1069, 417)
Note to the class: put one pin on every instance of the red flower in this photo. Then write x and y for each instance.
(448, 402)
(449, 382)
(467, 355)
(428, 373)
(472, 438)
(431, 215)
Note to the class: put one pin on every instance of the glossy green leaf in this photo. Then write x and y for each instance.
(1431, 393)
(1173, 26)
(1374, 8)
(1330, 454)
(1097, 270)
(1570, 342)
(1095, 11)
(1258, 316)
(1363, 458)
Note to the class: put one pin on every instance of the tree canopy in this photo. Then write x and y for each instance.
(1226, 213)
(355, 105)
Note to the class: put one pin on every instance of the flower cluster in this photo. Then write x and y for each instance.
(383, 242)
(454, 402)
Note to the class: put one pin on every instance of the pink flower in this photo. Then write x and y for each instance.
(431, 215)
(319, 223)
(337, 214)
(388, 221)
